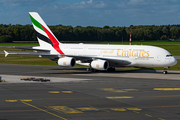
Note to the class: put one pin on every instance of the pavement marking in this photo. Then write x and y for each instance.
(161, 119)
(116, 90)
(26, 100)
(54, 92)
(74, 109)
(166, 89)
(148, 115)
(67, 91)
(120, 97)
(11, 100)
(134, 109)
(88, 109)
(125, 109)
(61, 91)
(44, 111)
(135, 112)
(118, 109)
(64, 109)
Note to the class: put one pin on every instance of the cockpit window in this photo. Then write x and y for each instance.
(168, 55)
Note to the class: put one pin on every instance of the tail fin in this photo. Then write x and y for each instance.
(44, 35)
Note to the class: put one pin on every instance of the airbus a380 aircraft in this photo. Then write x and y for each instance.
(97, 57)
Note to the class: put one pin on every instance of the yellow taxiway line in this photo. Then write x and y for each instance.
(44, 110)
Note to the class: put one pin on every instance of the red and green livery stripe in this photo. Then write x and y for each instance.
(50, 36)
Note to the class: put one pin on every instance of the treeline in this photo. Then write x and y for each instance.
(9, 33)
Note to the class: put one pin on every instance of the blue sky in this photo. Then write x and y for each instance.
(92, 12)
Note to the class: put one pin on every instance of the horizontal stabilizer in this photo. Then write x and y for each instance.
(25, 53)
(6, 53)
(41, 50)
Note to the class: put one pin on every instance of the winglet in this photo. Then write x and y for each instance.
(6, 53)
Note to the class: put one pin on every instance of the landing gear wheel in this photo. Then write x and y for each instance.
(89, 70)
(165, 72)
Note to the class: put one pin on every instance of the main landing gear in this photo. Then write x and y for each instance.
(90, 70)
(110, 69)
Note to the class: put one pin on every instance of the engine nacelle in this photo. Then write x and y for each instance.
(66, 62)
(100, 64)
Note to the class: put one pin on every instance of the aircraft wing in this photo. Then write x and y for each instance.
(87, 59)
(112, 62)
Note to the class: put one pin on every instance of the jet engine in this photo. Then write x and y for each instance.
(100, 64)
(66, 62)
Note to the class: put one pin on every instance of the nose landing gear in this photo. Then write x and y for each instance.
(165, 70)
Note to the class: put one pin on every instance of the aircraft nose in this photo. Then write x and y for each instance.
(173, 61)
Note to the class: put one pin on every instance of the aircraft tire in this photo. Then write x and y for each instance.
(165, 72)
(90, 70)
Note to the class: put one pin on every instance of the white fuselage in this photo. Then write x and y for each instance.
(138, 55)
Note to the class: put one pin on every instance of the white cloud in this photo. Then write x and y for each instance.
(90, 1)
(91, 4)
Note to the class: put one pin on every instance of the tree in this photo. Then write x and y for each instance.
(6, 39)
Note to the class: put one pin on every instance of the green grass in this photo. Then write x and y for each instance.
(174, 50)
(26, 60)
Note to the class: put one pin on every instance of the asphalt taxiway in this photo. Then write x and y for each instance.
(74, 94)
